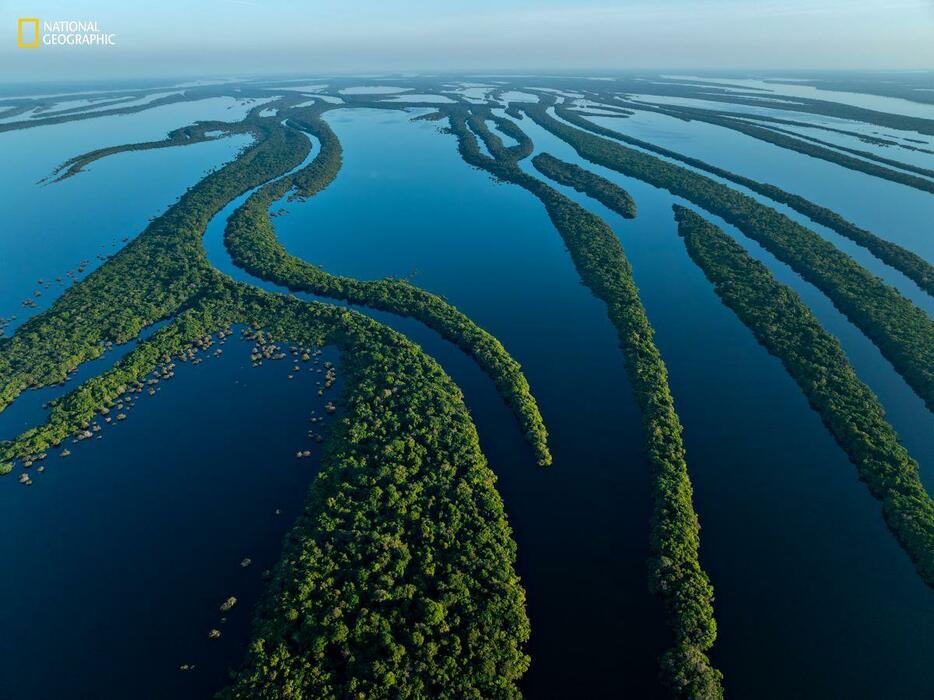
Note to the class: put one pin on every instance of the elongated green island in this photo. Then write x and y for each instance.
(814, 358)
(910, 264)
(860, 161)
(601, 189)
(403, 560)
(399, 579)
(676, 575)
(251, 240)
(157, 275)
(901, 330)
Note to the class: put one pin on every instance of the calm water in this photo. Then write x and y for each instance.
(814, 597)
(834, 187)
(50, 229)
(804, 567)
(492, 251)
(123, 552)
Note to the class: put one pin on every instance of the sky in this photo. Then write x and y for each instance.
(237, 37)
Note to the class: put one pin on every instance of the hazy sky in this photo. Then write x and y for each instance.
(192, 37)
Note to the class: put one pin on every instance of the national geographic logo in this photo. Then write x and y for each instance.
(31, 33)
(27, 33)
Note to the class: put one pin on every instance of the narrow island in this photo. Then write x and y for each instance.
(251, 240)
(902, 332)
(912, 265)
(675, 572)
(785, 326)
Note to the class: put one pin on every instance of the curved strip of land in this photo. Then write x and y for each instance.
(251, 240)
(171, 246)
(902, 332)
(608, 193)
(185, 136)
(808, 146)
(785, 326)
(77, 116)
(399, 578)
(160, 273)
(237, 91)
(400, 575)
(676, 575)
(912, 265)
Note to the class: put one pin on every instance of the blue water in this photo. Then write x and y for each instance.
(492, 251)
(890, 210)
(124, 550)
(29, 408)
(49, 229)
(750, 157)
(804, 568)
(780, 90)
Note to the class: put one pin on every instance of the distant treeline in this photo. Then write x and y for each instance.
(910, 264)
(901, 330)
(810, 146)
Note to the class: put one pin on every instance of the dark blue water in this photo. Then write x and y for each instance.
(747, 156)
(50, 229)
(805, 571)
(124, 550)
(122, 553)
(30, 408)
(492, 251)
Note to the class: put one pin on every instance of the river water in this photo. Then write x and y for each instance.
(123, 551)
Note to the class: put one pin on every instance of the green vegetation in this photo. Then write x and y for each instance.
(910, 264)
(803, 105)
(477, 118)
(399, 579)
(524, 147)
(903, 332)
(238, 91)
(160, 273)
(188, 96)
(185, 136)
(251, 240)
(869, 155)
(809, 146)
(814, 358)
(676, 575)
(601, 189)
(865, 138)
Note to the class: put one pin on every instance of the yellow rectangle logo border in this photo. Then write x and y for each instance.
(19, 33)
